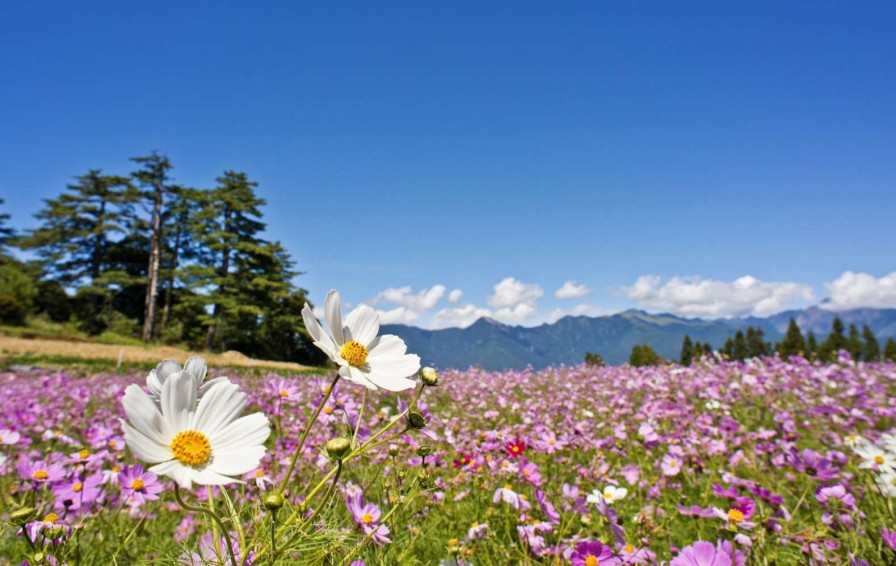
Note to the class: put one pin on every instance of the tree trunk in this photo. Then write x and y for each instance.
(152, 274)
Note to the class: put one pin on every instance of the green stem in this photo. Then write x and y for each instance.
(311, 421)
(213, 515)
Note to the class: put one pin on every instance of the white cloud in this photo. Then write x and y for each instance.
(454, 296)
(398, 315)
(694, 296)
(409, 306)
(856, 290)
(459, 317)
(571, 290)
(515, 302)
(510, 293)
(583, 309)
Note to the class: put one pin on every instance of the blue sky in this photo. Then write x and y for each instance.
(656, 153)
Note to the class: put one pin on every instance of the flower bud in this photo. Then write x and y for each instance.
(424, 451)
(429, 377)
(273, 501)
(38, 558)
(416, 421)
(22, 516)
(394, 449)
(54, 532)
(338, 447)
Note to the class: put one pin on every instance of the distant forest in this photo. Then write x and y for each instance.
(137, 257)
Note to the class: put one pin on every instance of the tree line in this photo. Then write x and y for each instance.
(750, 343)
(139, 256)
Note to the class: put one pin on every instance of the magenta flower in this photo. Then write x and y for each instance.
(529, 472)
(41, 472)
(76, 493)
(593, 553)
(368, 516)
(701, 553)
(44, 526)
(671, 465)
(889, 538)
(139, 486)
(9, 436)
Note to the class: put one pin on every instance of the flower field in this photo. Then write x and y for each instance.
(766, 462)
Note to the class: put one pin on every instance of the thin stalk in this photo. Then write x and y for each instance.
(213, 515)
(311, 421)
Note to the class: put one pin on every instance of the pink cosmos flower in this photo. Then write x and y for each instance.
(41, 472)
(592, 553)
(701, 553)
(671, 465)
(139, 486)
(368, 516)
(75, 494)
(9, 436)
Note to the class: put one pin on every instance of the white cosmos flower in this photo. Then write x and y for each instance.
(202, 444)
(363, 357)
(195, 367)
(609, 495)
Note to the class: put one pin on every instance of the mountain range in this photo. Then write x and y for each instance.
(495, 346)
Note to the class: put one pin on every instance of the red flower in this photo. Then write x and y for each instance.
(516, 448)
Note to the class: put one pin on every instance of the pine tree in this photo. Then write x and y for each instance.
(740, 346)
(854, 342)
(811, 346)
(706, 349)
(890, 350)
(793, 343)
(728, 348)
(755, 343)
(870, 346)
(687, 351)
(643, 355)
(73, 240)
(153, 179)
(835, 342)
(6, 233)
(179, 245)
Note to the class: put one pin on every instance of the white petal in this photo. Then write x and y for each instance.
(176, 471)
(142, 413)
(250, 430)
(391, 381)
(207, 476)
(154, 383)
(145, 447)
(358, 376)
(387, 345)
(220, 406)
(237, 462)
(402, 366)
(334, 316)
(196, 367)
(363, 324)
(321, 339)
(166, 369)
(203, 389)
(178, 401)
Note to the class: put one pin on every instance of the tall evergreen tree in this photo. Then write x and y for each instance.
(153, 180)
(811, 346)
(835, 342)
(231, 227)
(687, 351)
(890, 350)
(755, 343)
(740, 346)
(179, 246)
(6, 233)
(854, 342)
(643, 355)
(793, 343)
(78, 227)
(870, 345)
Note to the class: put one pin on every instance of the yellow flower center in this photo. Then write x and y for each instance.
(367, 518)
(878, 459)
(1, 438)
(508, 487)
(591, 560)
(112, 444)
(735, 516)
(629, 548)
(354, 353)
(41, 474)
(515, 449)
(137, 484)
(191, 447)
(116, 468)
(284, 393)
(84, 454)
(328, 410)
(474, 525)
(78, 487)
(259, 473)
(608, 495)
(552, 442)
(51, 518)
